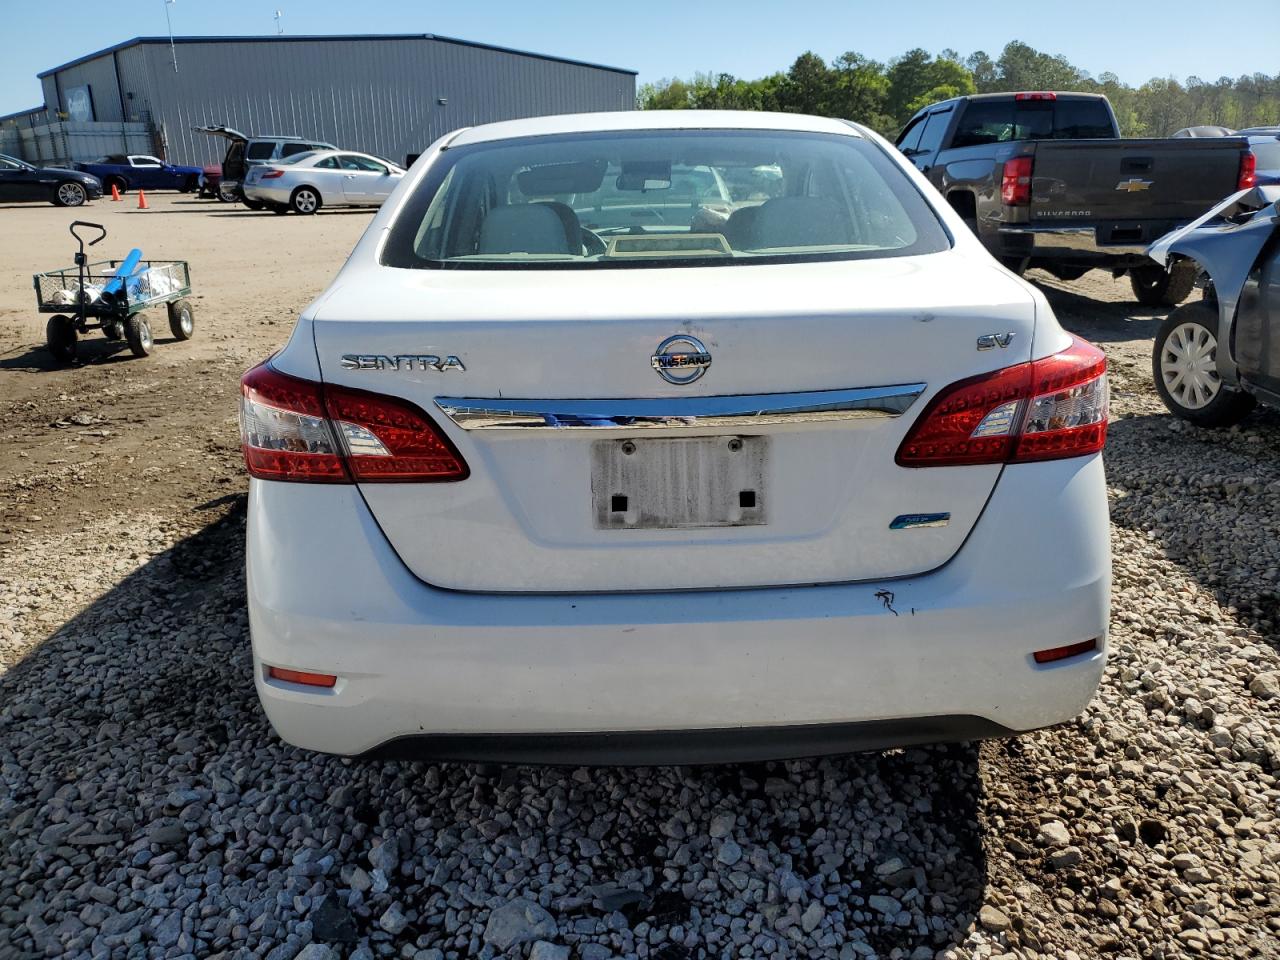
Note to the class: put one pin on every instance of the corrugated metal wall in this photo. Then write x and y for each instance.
(100, 75)
(52, 144)
(377, 95)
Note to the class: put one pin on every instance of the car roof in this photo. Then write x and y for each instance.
(652, 120)
(335, 151)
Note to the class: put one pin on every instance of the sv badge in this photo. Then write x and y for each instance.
(989, 341)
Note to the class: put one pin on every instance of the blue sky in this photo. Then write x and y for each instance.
(662, 38)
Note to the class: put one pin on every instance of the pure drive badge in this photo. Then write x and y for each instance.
(401, 361)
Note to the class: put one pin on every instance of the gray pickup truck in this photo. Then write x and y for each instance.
(1044, 180)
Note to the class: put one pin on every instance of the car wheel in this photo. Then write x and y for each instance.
(254, 204)
(60, 338)
(70, 194)
(305, 200)
(121, 187)
(191, 185)
(1157, 287)
(138, 334)
(182, 319)
(1184, 362)
(226, 194)
(279, 208)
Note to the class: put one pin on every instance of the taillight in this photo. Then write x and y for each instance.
(307, 432)
(1248, 178)
(272, 174)
(1015, 183)
(1047, 409)
(1036, 95)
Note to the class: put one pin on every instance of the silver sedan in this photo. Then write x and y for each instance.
(305, 182)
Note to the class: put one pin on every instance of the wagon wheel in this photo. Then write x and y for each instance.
(138, 334)
(182, 319)
(60, 338)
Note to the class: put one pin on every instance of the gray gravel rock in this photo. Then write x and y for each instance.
(518, 921)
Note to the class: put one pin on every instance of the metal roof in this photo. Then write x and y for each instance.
(276, 38)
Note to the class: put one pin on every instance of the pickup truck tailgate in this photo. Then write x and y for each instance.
(1117, 180)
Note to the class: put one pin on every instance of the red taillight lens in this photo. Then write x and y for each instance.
(389, 440)
(1015, 184)
(1043, 410)
(307, 432)
(1036, 95)
(284, 432)
(272, 174)
(1248, 178)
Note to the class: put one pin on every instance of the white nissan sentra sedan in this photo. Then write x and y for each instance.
(604, 446)
(305, 182)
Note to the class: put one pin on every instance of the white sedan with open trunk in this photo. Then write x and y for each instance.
(605, 446)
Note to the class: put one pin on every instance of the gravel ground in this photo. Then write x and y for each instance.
(146, 809)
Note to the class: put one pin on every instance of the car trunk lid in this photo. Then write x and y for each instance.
(724, 502)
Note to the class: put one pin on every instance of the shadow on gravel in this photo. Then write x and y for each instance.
(1211, 499)
(145, 800)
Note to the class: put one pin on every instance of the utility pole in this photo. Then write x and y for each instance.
(173, 50)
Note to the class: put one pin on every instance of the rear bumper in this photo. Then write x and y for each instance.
(256, 191)
(1103, 244)
(675, 677)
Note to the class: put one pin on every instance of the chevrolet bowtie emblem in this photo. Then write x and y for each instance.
(1133, 185)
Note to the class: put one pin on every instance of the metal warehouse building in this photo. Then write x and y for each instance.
(388, 95)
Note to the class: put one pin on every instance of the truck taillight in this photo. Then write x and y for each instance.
(307, 432)
(1248, 178)
(1047, 409)
(1036, 95)
(1015, 183)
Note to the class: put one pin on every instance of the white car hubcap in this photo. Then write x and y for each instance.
(306, 202)
(1189, 366)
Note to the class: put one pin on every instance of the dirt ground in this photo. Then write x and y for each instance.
(126, 474)
(159, 434)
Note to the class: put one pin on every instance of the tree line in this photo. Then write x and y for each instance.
(885, 95)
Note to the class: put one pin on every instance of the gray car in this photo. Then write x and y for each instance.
(1234, 247)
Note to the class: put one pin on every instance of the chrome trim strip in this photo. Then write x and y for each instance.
(737, 412)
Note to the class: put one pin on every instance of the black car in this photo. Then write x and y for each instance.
(21, 181)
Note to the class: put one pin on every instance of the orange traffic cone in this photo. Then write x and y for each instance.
(115, 192)
(142, 200)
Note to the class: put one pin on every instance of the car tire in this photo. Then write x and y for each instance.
(227, 194)
(279, 208)
(182, 319)
(70, 193)
(137, 332)
(60, 338)
(191, 185)
(1184, 365)
(1156, 287)
(305, 200)
(121, 186)
(254, 204)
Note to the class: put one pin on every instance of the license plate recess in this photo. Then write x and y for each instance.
(681, 482)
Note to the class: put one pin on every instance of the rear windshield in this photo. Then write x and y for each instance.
(996, 121)
(661, 198)
(262, 150)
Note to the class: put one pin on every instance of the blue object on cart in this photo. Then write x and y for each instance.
(123, 272)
